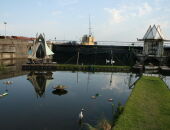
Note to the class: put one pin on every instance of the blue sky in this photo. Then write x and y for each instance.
(122, 20)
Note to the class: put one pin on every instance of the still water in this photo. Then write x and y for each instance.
(32, 103)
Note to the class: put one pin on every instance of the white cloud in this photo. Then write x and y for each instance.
(118, 82)
(116, 16)
(121, 14)
(145, 9)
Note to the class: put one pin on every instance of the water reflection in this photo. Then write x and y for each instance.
(166, 80)
(60, 108)
(40, 81)
(11, 68)
(60, 92)
(129, 80)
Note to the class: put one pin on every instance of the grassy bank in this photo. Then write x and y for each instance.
(73, 67)
(148, 107)
(92, 67)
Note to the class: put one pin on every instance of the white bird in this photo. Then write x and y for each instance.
(107, 61)
(112, 61)
(81, 114)
(8, 82)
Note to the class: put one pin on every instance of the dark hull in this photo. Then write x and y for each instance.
(96, 55)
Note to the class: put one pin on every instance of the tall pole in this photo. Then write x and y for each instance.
(90, 26)
(78, 57)
(5, 28)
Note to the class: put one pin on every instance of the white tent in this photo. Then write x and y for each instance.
(154, 33)
(40, 48)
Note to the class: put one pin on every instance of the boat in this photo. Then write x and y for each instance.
(60, 87)
(165, 68)
(150, 67)
(59, 90)
(138, 66)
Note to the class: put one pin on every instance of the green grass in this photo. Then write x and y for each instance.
(92, 67)
(148, 107)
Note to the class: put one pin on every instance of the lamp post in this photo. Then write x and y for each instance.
(5, 28)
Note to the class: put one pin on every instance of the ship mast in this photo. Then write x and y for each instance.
(90, 33)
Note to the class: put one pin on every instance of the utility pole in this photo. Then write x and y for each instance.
(78, 56)
(90, 33)
(5, 23)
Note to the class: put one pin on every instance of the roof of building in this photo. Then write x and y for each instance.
(154, 33)
(18, 38)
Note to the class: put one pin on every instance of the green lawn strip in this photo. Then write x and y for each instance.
(92, 66)
(148, 107)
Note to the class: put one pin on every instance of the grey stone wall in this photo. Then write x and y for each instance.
(14, 49)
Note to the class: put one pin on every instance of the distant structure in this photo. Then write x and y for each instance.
(153, 41)
(153, 45)
(15, 47)
(88, 39)
(40, 52)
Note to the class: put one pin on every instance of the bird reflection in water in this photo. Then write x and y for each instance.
(40, 81)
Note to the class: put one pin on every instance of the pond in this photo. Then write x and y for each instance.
(32, 103)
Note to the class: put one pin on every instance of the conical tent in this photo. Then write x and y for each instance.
(40, 48)
(160, 32)
(47, 50)
(153, 33)
(148, 31)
